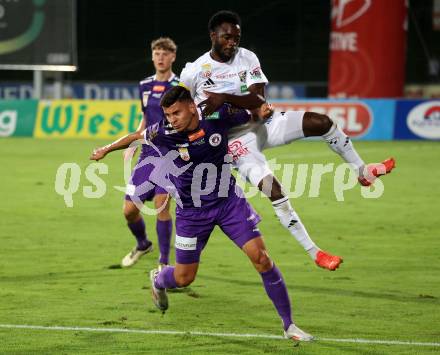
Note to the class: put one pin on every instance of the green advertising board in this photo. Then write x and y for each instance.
(17, 117)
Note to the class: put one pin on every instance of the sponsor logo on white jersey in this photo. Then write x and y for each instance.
(236, 149)
(206, 70)
(255, 73)
(242, 76)
(225, 75)
(209, 83)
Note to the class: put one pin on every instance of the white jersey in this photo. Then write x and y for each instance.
(233, 77)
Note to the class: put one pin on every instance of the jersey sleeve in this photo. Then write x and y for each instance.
(153, 135)
(233, 116)
(187, 78)
(254, 74)
(141, 93)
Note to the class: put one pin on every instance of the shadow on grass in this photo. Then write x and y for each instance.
(63, 275)
(107, 272)
(333, 291)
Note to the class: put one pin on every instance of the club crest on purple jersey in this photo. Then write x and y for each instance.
(215, 139)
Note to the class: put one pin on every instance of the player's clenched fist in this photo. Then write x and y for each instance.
(98, 153)
(263, 112)
(266, 110)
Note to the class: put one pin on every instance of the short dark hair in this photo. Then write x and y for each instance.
(177, 93)
(221, 17)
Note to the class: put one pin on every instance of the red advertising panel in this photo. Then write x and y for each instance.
(354, 118)
(367, 48)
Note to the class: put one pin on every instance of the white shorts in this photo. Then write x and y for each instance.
(281, 128)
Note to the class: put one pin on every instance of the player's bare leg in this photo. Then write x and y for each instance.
(272, 188)
(315, 124)
(164, 226)
(169, 277)
(136, 225)
(275, 287)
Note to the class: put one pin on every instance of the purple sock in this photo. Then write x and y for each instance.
(277, 291)
(138, 230)
(166, 279)
(164, 230)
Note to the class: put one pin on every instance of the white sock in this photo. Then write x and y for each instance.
(291, 221)
(340, 143)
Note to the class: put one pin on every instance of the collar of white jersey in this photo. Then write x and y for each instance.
(229, 61)
(169, 80)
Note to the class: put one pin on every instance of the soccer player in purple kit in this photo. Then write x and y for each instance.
(203, 148)
(207, 195)
(139, 188)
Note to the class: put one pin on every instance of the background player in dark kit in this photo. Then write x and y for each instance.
(139, 189)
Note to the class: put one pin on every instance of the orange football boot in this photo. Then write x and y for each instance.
(328, 261)
(374, 170)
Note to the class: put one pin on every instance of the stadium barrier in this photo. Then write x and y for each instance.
(368, 119)
(130, 90)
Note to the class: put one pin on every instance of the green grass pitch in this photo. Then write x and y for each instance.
(57, 263)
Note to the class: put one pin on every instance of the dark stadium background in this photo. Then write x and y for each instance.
(290, 37)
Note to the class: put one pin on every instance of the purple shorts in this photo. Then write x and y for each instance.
(235, 217)
(140, 189)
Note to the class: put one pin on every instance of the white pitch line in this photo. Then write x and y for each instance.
(198, 333)
(383, 342)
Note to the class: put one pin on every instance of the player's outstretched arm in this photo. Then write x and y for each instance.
(121, 143)
(253, 100)
(131, 151)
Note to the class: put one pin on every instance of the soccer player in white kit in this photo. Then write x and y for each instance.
(228, 73)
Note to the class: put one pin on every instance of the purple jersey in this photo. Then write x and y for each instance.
(197, 163)
(150, 92)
